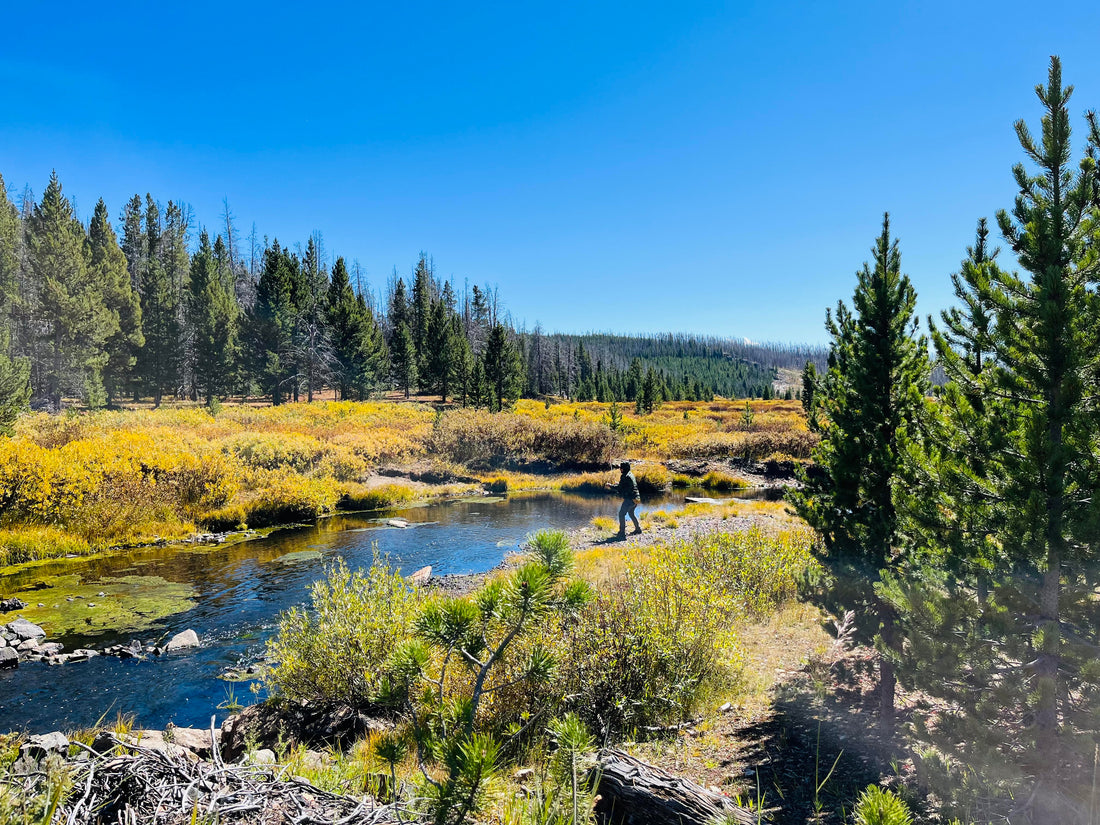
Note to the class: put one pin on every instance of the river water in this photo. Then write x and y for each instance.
(240, 590)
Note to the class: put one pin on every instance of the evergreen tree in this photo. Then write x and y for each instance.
(73, 318)
(374, 364)
(502, 368)
(15, 388)
(213, 315)
(160, 360)
(423, 291)
(439, 354)
(1021, 354)
(271, 323)
(107, 267)
(403, 358)
(871, 401)
(347, 326)
(310, 298)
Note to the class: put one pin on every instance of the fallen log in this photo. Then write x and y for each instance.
(633, 792)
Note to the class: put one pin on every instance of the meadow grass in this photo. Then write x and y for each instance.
(86, 482)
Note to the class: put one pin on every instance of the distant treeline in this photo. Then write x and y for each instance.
(150, 311)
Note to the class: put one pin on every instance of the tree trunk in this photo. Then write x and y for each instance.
(632, 792)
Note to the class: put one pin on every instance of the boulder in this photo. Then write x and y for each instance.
(51, 648)
(8, 605)
(155, 740)
(26, 630)
(421, 577)
(188, 638)
(28, 646)
(264, 756)
(3, 642)
(8, 658)
(313, 724)
(43, 744)
(195, 740)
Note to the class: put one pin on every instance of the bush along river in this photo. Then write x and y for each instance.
(231, 595)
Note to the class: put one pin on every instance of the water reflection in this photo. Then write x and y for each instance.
(242, 589)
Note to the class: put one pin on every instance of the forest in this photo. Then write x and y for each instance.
(99, 316)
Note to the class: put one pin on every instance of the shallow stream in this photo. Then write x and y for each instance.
(232, 597)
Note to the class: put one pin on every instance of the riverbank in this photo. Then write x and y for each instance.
(772, 648)
(107, 481)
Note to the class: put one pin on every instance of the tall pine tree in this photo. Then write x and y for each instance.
(870, 403)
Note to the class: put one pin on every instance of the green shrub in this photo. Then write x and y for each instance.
(376, 498)
(716, 480)
(33, 543)
(877, 806)
(338, 649)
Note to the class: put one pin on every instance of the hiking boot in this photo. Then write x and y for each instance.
(637, 532)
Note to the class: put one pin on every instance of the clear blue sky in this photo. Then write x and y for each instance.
(719, 168)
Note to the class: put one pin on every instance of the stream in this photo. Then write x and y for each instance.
(239, 591)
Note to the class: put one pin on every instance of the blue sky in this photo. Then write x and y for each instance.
(701, 167)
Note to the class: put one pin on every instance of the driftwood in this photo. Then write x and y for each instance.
(147, 786)
(633, 792)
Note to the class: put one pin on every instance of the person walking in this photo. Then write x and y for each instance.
(628, 489)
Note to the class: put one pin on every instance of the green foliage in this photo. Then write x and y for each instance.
(339, 648)
(1005, 503)
(879, 806)
(870, 407)
(213, 317)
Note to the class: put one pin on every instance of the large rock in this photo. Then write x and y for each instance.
(288, 724)
(9, 658)
(8, 605)
(195, 740)
(421, 577)
(26, 630)
(39, 746)
(188, 638)
(155, 740)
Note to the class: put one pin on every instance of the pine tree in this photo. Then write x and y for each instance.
(107, 267)
(374, 363)
(311, 329)
(1021, 467)
(439, 353)
(73, 318)
(271, 323)
(423, 293)
(213, 315)
(346, 326)
(15, 387)
(502, 368)
(403, 357)
(871, 402)
(160, 360)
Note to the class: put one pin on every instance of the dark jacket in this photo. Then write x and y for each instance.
(628, 487)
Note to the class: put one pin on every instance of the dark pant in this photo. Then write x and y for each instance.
(628, 508)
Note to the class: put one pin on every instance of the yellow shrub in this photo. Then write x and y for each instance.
(270, 451)
(357, 497)
(291, 498)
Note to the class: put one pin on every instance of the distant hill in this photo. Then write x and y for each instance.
(734, 368)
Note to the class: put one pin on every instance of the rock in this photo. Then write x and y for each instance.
(195, 740)
(28, 646)
(263, 756)
(726, 708)
(51, 648)
(397, 522)
(39, 746)
(313, 724)
(421, 577)
(188, 638)
(3, 642)
(8, 658)
(26, 630)
(155, 740)
(8, 605)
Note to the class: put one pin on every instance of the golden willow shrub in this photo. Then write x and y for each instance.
(95, 486)
(478, 437)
